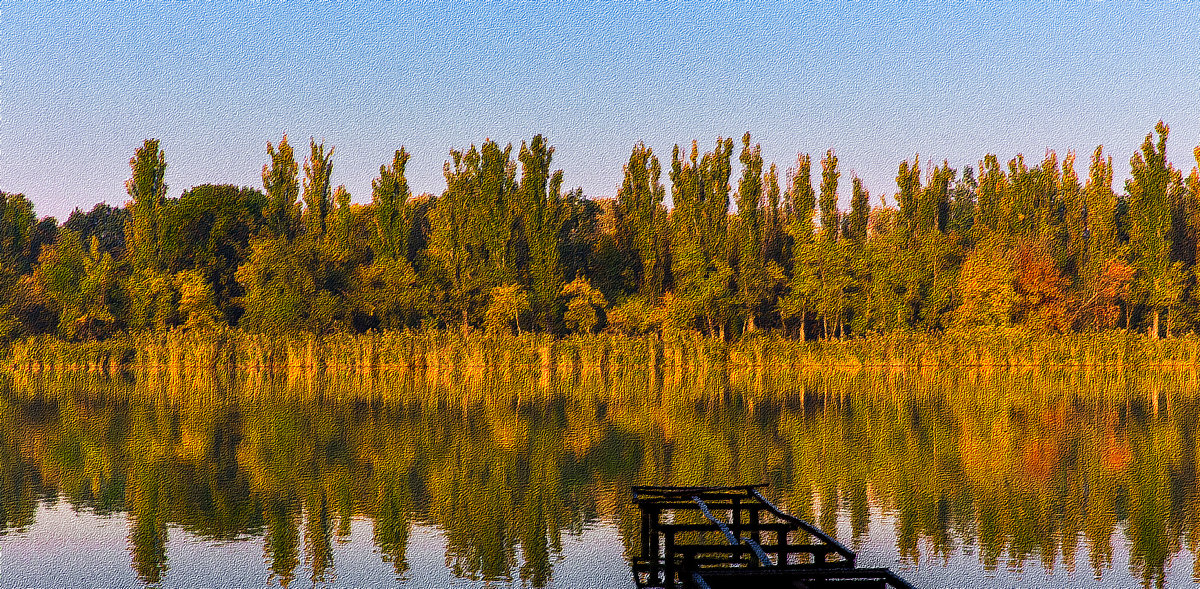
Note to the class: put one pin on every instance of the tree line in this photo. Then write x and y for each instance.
(505, 248)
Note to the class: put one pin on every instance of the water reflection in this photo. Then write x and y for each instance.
(1021, 469)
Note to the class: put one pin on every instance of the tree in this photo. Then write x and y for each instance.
(963, 203)
(985, 287)
(317, 189)
(393, 215)
(641, 218)
(208, 230)
(105, 222)
(700, 191)
(504, 310)
(280, 180)
(197, 302)
(291, 286)
(1158, 282)
(860, 210)
(829, 198)
(993, 191)
(475, 239)
(148, 191)
(583, 305)
(83, 285)
(908, 180)
(541, 214)
(753, 278)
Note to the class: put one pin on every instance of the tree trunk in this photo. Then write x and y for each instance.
(1154, 335)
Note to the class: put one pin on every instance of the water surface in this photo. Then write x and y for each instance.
(519, 477)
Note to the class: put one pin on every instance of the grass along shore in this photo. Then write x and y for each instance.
(451, 350)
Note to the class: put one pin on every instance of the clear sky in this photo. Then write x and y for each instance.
(82, 84)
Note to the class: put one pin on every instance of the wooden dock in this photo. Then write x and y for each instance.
(685, 545)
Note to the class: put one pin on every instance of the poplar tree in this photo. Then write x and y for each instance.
(393, 214)
(475, 237)
(804, 286)
(641, 217)
(752, 276)
(860, 210)
(1158, 280)
(1070, 237)
(773, 231)
(829, 184)
(933, 208)
(700, 191)
(148, 191)
(993, 191)
(455, 242)
(542, 215)
(317, 188)
(802, 200)
(963, 203)
(1104, 271)
(908, 180)
(281, 183)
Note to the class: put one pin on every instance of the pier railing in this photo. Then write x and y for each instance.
(710, 537)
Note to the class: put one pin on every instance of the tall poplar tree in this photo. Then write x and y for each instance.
(908, 180)
(860, 210)
(393, 213)
(829, 198)
(700, 191)
(475, 237)
(752, 279)
(542, 215)
(281, 183)
(804, 286)
(993, 190)
(641, 217)
(149, 192)
(1158, 281)
(318, 191)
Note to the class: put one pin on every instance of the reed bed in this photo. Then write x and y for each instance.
(450, 352)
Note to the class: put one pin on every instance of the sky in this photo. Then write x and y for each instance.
(83, 84)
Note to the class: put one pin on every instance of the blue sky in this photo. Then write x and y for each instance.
(82, 84)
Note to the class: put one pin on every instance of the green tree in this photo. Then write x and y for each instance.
(829, 197)
(83, 284)
(860, 210)
(1158, 282)
(17, 232)
(149, 192)
(963, 203)
(393, 214)
(281, 183)
(753, 278)
(505, 307)
(641, 217)
(908, 180)
(208, 230)
(584, 304)
(541, 215)
(475, 237)
(318, 191)
(700, 191)
(105, 222)
(993, 190)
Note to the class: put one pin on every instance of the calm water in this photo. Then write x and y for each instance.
(520, 478)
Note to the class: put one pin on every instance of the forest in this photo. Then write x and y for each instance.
(505, 249)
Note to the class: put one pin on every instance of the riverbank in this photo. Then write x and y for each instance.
(451, 350)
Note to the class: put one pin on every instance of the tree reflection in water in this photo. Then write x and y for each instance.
(1019, 468)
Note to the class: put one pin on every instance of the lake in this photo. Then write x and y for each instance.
(520, 476)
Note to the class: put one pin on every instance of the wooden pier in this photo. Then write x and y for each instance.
(685, 545)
